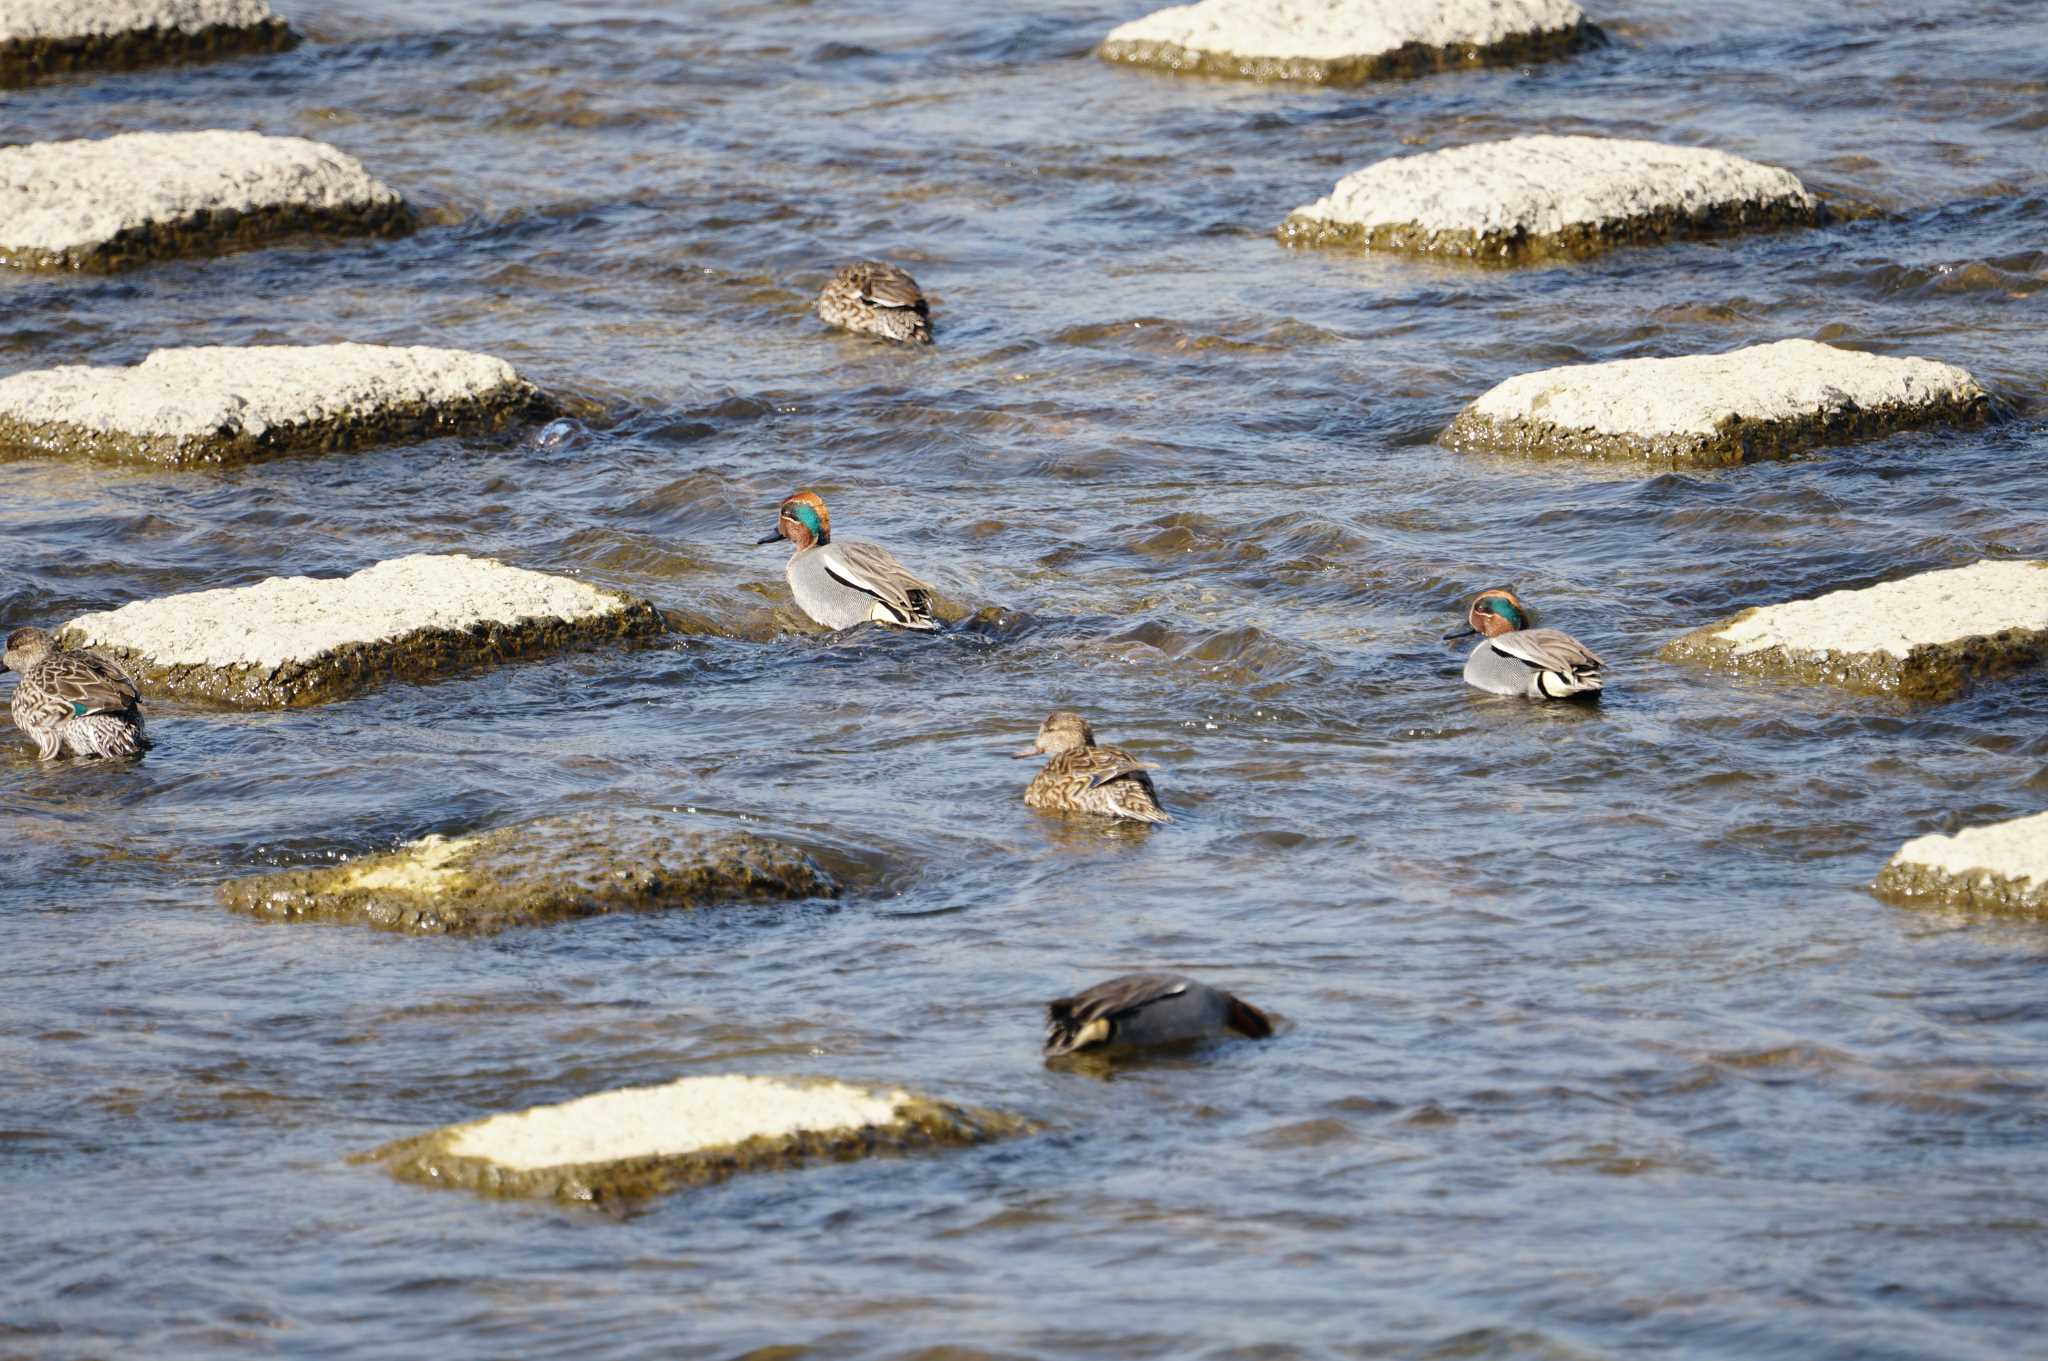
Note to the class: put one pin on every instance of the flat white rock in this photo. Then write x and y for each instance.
(70, 196)
(297, 619)
(2015, 851)
(1697, 394)
(675, 1118)
(54, 20)
(1934, 607)
(1542, 186)
(1337, 30)
(230, 391)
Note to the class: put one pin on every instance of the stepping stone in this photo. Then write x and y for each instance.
(120, 201)
(1715, 410)
(538, 873)
(293, 641)
(1535, 198)
(40, 38)
(636, 1142)
(2000, 868)
(237, 404)
(1926, 637)
(1344, 42)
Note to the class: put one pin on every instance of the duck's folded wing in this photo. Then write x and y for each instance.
(90, 685)
(1100, 765)
(872, 569)
(1547, 650)
(1118, 997)
(887, 286)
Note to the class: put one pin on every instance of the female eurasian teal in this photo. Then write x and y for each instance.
(1084, 778)
(72, 700)
(877, 299)
(1148, 1008)
(843, 583)
(1515, 659)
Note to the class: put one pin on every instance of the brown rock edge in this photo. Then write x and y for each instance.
(217, 232)
(920, 1123)
(1736, 440)
(1576, 242)
(1924, 886)
(543, 872)
(1930, 673)
(358, 667)
(1409, 59)
(29, 60)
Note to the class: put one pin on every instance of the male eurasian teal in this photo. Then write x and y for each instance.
(877, 299)
(843, 583)
(1515, 659)
(1148, 1008)
(1081, 777)
(72, 700)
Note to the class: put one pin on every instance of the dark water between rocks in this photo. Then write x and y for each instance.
(1597, 1045)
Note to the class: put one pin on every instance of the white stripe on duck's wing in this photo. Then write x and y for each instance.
(873, 570)
(1119, 997)
(888, 286)
(1547, 650)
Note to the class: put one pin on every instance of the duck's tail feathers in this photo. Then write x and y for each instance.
(1144, 810)
(1565, 684)
(1247, 1019)
(1065, 1032)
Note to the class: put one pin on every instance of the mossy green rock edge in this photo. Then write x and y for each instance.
(1409, 59)
(27, 61)
(920, 1124)
(1736, 440)
(338, 673)
(538, 873)
(1930, 673)
(399, 423)
(1928, 886)
(218, 231)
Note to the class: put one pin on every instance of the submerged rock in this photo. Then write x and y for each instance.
(293, 641)
(1927, 637)
(120, 201)
(1531, 198)
(41, 38)
(1344, 42)
(637, 1142)
(538, 873)
(235, 404)
(2000, 868)
(1714, 410)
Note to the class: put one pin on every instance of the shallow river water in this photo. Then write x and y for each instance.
(1595, 1043)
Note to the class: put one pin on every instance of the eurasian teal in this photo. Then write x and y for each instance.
(1081, 777)
(1515, 659)
(840, 584)
(1148, 1008)
(877, 299)
(72, 700)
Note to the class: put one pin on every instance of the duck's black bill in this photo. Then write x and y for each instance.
(1461, 633)
(770, 539)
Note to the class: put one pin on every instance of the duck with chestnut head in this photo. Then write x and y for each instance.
(1515, 659)
(843, 582)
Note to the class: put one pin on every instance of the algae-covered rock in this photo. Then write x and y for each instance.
(1533, 198)
(538, 873)
(2001, 868)
(44, 38)
(292, 641)
(116, 202)
(1928, 637)
(1344, 42)
(637, 1142)
(1715, 410)
(236, 404)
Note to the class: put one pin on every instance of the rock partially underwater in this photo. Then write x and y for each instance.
(1928, 637)
(638, 1142)
(237, 404)
(293, 641)
(2001, 868)
(1715, 410)
(538, 873)
(44, 38)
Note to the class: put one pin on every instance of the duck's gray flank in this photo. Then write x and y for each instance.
(75, 701)
(1148, 1009)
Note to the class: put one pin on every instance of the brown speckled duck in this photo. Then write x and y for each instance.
(72, 700)
(1081, 777)
(1148, 1008)
(877, 299)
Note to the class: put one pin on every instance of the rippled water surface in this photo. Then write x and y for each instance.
(1596, 1044)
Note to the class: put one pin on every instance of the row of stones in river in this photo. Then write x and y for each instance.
(290, 641)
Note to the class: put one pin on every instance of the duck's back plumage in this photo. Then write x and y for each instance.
(879, 299)
(1105, 780)
(841, 583)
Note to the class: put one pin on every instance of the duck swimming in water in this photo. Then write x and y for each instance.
(840, 583)
(877, 299)
(1514, 659)
(1148, 1008)
(1081, 777)
(73, 700)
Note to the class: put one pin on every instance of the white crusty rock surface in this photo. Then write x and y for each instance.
(1529, 197)
(211, 404)
(24, 19)
(1715, 409)
(2002, 867)
(1923, 637)
(639, 1141)
(43, 38)
(300, 640)
(1345, 40)
(114, 201)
